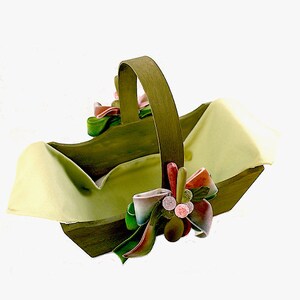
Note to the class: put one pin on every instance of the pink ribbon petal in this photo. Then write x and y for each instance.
(101, 111)
(143, 101)
(201, 217)
(202, 178)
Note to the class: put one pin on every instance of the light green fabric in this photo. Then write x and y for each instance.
(226, 141)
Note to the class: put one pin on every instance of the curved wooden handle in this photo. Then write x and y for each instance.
(163, 107)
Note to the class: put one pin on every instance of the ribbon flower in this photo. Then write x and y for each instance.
(107, 116)
(171, 212)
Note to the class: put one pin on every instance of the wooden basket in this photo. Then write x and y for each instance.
(163, 133)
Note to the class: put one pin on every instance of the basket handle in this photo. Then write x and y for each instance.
(163, 107)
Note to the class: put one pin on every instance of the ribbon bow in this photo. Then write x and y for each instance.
(107, 116)
(171, 212)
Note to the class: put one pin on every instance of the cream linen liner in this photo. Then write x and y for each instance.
(226, 141)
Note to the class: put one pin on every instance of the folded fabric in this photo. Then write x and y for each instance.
(226, 141)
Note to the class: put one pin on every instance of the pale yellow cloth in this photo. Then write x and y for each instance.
(226, 140)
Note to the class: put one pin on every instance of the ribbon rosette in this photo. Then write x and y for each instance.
(107, 116)
(171, 212)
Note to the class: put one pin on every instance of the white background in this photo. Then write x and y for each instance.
(58, 57)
